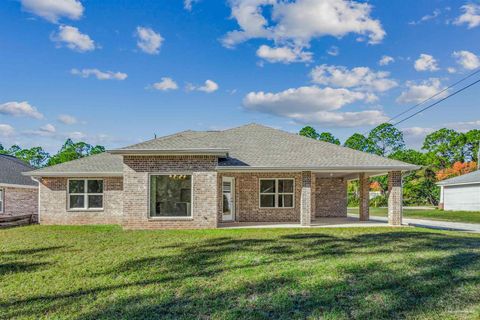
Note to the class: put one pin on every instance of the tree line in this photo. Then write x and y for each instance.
(38, 157)
(445, 153)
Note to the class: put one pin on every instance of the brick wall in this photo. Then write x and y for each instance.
(247, 198)
(395, 200)
(136, 187)
(20, 201)
(330, 197)
(53, 203)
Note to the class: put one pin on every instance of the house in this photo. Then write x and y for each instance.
(201, 179)
(18, 193)
(461, 193)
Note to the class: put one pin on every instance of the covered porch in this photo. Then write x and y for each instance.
(312, 199)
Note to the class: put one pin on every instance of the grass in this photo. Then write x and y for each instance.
(432, 214)
(103, 272)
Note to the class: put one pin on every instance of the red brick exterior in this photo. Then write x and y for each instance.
(331, 197)
(395, 198)
(364, 203)
(137, 170)
(53, 204)
(247, 200)
(20, 201)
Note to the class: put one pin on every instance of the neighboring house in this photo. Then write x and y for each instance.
(199, 179)
(18, 193)
(461, 193)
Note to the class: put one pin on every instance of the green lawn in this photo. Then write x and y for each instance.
(362, 273)
(433, 214)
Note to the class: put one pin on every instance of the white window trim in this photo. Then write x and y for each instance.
(2, 200)
(276, 194)
(85, 194)
(190, 217)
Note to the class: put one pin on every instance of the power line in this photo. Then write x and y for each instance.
(435, 95)
(437, 102)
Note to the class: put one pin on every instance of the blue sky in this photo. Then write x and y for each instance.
(118, 72)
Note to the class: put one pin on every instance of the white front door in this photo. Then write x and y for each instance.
(228, 196)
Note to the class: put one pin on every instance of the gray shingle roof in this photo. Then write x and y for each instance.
(105, 163)
(259, 146)
(11, 170)
(469, 178)
(249, 146)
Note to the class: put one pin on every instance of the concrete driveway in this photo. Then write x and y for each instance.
(435, 224)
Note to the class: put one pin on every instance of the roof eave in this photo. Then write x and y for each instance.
(72, 174)
(172, 152)
(322, 169)
(440, 184)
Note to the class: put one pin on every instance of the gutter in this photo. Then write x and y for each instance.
(40, 174)
(319, 169)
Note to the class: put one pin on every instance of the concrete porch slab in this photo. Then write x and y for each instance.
(341, 222)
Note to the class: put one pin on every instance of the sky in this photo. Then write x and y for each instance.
(119, 72)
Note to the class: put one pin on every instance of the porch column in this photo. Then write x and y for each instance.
(395, 198)
(307, 201)
(364, 203)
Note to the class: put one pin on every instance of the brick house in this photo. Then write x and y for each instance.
(18, 193)
(201, 179)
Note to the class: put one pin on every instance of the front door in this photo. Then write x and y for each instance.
(228, 191)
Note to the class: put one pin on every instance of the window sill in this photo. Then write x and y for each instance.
(276, 208)
(85, 210)
(170, 218)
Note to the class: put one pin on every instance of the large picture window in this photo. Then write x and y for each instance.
(171, 195)
(277, 193)
(85, 194)
(1, 200)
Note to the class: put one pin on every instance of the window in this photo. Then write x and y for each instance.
(277, 193)
(171, 195)
(85, 194)
(1, 200)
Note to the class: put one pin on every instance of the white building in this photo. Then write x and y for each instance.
(461, 193)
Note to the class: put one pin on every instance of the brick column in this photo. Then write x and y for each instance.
(306, 201)
(395, 198)
(364, 203)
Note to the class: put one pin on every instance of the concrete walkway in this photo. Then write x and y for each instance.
(435, 224)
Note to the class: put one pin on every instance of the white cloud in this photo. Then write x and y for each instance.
(418, 92)
(149, 41)
(417, 131)
(333, 51)
(48, 128)
(468, 60)
(67, 119)
(362, 78)
(313, 104)
(386, 60)
(296, 23)
(53, 10)
(451, 70)
(283, 54)
(73, 39)
(470, 16)
(165, 85)
(208, 87)
(20, 109)
(100, 75)
(6, 130)
(426, 62)
(427, 17)
(464, 125)
(187, 4)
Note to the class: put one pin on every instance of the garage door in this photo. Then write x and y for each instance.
(462, 197)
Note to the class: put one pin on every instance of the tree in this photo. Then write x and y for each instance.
(328, 137)
(35, 156)
(386, 139)
(358, 142)
(458, 169)
(309, 132)
(472, 142)
(71, 151)
(445, 147)
(410, 156)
